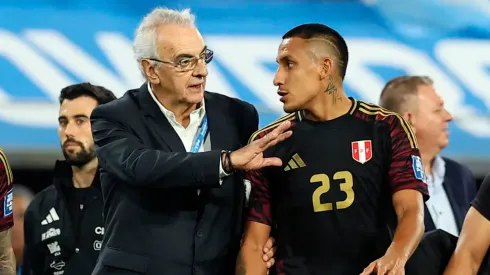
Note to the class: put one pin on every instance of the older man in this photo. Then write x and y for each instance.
(174, 194)
(451, 185)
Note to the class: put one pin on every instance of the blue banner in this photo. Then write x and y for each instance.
(44, 48)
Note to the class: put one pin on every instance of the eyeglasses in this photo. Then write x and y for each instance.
(188, 63)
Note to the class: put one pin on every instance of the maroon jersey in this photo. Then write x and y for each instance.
(6, 194)
(330, 204)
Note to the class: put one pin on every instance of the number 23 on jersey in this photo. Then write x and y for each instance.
(346, 185)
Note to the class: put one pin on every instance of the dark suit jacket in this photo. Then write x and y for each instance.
(156, 223)
(460, 187)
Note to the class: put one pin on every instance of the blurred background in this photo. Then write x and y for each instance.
(46, 45)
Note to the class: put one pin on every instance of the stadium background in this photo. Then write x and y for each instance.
(48, 44)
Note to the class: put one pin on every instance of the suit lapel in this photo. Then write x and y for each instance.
(217, 123)
(454, 200)
(157, 120)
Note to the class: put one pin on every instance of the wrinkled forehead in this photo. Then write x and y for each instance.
(173, 40)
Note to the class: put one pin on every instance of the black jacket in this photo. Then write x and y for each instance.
(56, 240)
(157, 224)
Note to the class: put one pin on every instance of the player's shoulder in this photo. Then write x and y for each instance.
(43, 199)
(392, 122)
(293, 117)
(6, 175)
(374, 113)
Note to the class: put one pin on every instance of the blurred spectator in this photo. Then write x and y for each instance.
(451, 186)
(22, 197)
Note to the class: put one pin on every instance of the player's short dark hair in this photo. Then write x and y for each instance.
(315, 30)
(398, 90)
(99, 93)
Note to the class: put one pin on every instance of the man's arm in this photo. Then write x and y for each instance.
(472, 246)
(474, 239)
(249, 259)
(123, 155)
(258, 227)
(406, 177)
(7, 257)
(409, 208)
(406, 180)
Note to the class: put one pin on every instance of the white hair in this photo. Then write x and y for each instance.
(145, 40)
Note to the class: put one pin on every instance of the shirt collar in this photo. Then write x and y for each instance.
(439, 166)
(201, 111)
(438, 171)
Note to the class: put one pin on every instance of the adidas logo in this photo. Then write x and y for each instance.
(51, 217)
(295, 162)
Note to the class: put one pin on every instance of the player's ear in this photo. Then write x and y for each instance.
(150, 71)
(326, 68)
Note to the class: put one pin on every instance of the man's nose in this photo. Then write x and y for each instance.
(278, 78)
(201, 69)
(70, 130)
(449, 116)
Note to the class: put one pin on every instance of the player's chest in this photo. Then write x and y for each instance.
(332, 172)
(359, 152)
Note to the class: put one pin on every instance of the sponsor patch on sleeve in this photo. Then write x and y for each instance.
(8, 203)
(418, 168)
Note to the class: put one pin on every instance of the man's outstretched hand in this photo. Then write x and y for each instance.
(251, 157)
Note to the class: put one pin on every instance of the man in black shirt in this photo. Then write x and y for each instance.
(349, 196)
(471, 254)
(63, 225)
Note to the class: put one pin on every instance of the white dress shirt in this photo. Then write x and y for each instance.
(439, 206)
(189, 134)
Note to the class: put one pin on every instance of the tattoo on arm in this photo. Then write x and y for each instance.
(240, 265)
(7, 257)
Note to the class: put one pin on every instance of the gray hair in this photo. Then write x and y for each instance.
(22, 191)
(145, 40)
(399, 90)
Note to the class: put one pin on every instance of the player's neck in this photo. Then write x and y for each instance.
(328, 106)
(84, 176)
